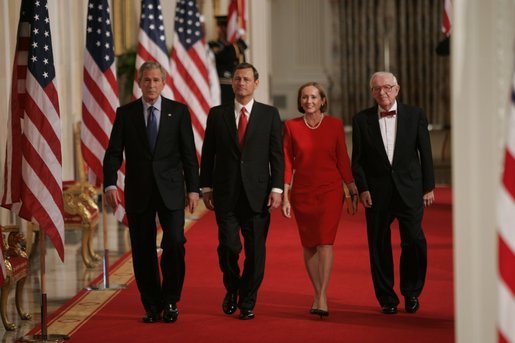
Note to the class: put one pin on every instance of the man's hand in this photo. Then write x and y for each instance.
(112, 198)
(429, 198)
(274, 200)
(207, 197)
(366, 199)
(192, 201)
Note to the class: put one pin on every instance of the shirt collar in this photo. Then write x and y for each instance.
(380, 109)
(157, 104)
(248, 106)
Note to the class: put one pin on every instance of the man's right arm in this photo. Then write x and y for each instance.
(113, 159)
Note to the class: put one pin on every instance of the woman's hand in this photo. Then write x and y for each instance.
(286, 209)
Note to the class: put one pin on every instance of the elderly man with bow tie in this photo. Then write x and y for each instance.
(393, 169)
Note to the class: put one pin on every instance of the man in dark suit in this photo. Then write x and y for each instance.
(156, 136)
(242, 177)
(393, 168)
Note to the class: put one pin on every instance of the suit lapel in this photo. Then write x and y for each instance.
(138, 120)
(402, 124)
(230, 122)
(163, 126)
(375, 133)
(253, 120)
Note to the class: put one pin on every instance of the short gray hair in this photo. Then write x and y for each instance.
(383, 73)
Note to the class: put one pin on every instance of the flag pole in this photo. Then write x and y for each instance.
(44, 336)
(105, 268)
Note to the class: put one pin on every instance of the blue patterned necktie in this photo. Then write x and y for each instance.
(151, 128)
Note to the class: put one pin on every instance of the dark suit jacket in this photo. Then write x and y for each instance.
(412, 168)
(258, 168)
(173, 163)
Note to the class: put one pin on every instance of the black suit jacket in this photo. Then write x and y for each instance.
(173, 163)
(258, 168)
(412, 168)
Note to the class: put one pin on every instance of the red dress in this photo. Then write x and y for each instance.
(318, 162)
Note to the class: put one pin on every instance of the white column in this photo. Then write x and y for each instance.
(9, 15)
(259, 45)
(482, 62)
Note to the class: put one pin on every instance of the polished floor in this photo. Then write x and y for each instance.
(63, 280)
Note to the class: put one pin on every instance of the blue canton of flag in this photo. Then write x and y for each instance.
(99, 41)
(41, 60)
(152, 22)
(187, 23)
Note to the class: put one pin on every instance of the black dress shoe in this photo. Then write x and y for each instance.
(170, 313)
(246, 314)
(151, 317)
(411, 304)
(389, 309)
(229, 303)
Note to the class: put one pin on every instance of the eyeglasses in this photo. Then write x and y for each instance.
(386, 88)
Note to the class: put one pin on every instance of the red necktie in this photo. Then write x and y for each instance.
(387, 113)
(242, 126)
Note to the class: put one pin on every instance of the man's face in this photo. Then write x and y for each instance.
(384, 91)
(151, 85)
(243, 83)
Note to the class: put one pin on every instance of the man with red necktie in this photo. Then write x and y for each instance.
(242, 178)
(393, 169)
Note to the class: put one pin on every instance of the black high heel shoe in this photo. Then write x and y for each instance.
(313, 311)
(322, 313)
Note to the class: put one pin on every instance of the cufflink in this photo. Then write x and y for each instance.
(169, 114)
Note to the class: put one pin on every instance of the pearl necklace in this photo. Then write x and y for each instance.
(316, 126)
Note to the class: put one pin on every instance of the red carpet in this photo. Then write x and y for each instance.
(285, 296)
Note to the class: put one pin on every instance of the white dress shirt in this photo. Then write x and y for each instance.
(388, 126)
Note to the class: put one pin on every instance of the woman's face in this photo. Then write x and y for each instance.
(310, 100)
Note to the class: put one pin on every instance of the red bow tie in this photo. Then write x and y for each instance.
(387, 113)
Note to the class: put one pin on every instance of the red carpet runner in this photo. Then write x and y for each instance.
(285, 296)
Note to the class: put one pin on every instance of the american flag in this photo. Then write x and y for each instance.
(33, 168)
(506, 234)
(446, 18)
(152, 44)
(191, 67)
(236, 22)
(99, 96)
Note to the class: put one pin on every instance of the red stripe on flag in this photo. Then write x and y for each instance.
(30, 202)
(193, 89)
(93, 163)
(113, 83)
(506, 263)
(99, 96)
(509, 174)
(501, 338)
(95, 129)
(43, 171)
(51, 93)
(44, 127)
(195, 122)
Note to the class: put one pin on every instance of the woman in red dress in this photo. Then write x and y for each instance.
(316, 167)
